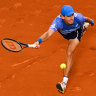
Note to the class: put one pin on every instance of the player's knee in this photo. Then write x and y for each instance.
(69, 54)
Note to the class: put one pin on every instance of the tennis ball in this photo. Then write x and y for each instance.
(63, 66)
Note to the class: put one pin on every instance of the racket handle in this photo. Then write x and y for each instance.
(31, 45)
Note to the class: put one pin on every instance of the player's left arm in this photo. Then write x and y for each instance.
(83, 19)
(89, 20)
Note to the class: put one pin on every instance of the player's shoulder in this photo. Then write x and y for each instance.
(58, 19)
(77, 14)
(57, 23)
(79, 17)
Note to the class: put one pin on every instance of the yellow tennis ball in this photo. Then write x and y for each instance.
(63, 66)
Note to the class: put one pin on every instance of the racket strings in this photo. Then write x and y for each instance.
(11, 45)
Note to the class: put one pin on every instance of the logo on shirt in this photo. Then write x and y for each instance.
(76, 25)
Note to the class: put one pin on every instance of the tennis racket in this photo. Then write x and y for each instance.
(14, 46)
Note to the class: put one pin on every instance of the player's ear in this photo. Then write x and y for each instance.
(62, 16)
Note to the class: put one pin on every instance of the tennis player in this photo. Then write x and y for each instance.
(71, 26)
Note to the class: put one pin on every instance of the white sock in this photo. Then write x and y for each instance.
(65, 79)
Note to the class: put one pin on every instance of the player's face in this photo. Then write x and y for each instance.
(68, 19)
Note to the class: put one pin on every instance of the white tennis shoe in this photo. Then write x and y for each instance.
(61, 87)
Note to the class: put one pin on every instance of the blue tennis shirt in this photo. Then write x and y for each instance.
(59, 25)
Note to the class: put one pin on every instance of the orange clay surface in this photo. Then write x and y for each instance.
(35, 72)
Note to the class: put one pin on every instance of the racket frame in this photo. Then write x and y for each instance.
(26, 45)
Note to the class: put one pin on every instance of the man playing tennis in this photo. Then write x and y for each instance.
(71, 26)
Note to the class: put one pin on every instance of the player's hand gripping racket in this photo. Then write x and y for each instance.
(14, 46)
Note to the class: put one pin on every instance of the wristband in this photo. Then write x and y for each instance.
(40, 40)
(92, 22)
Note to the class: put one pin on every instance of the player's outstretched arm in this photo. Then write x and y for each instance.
(44, 37)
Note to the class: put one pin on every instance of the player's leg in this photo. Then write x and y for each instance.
(72, 44)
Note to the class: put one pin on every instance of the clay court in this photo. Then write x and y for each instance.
(35, 72)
